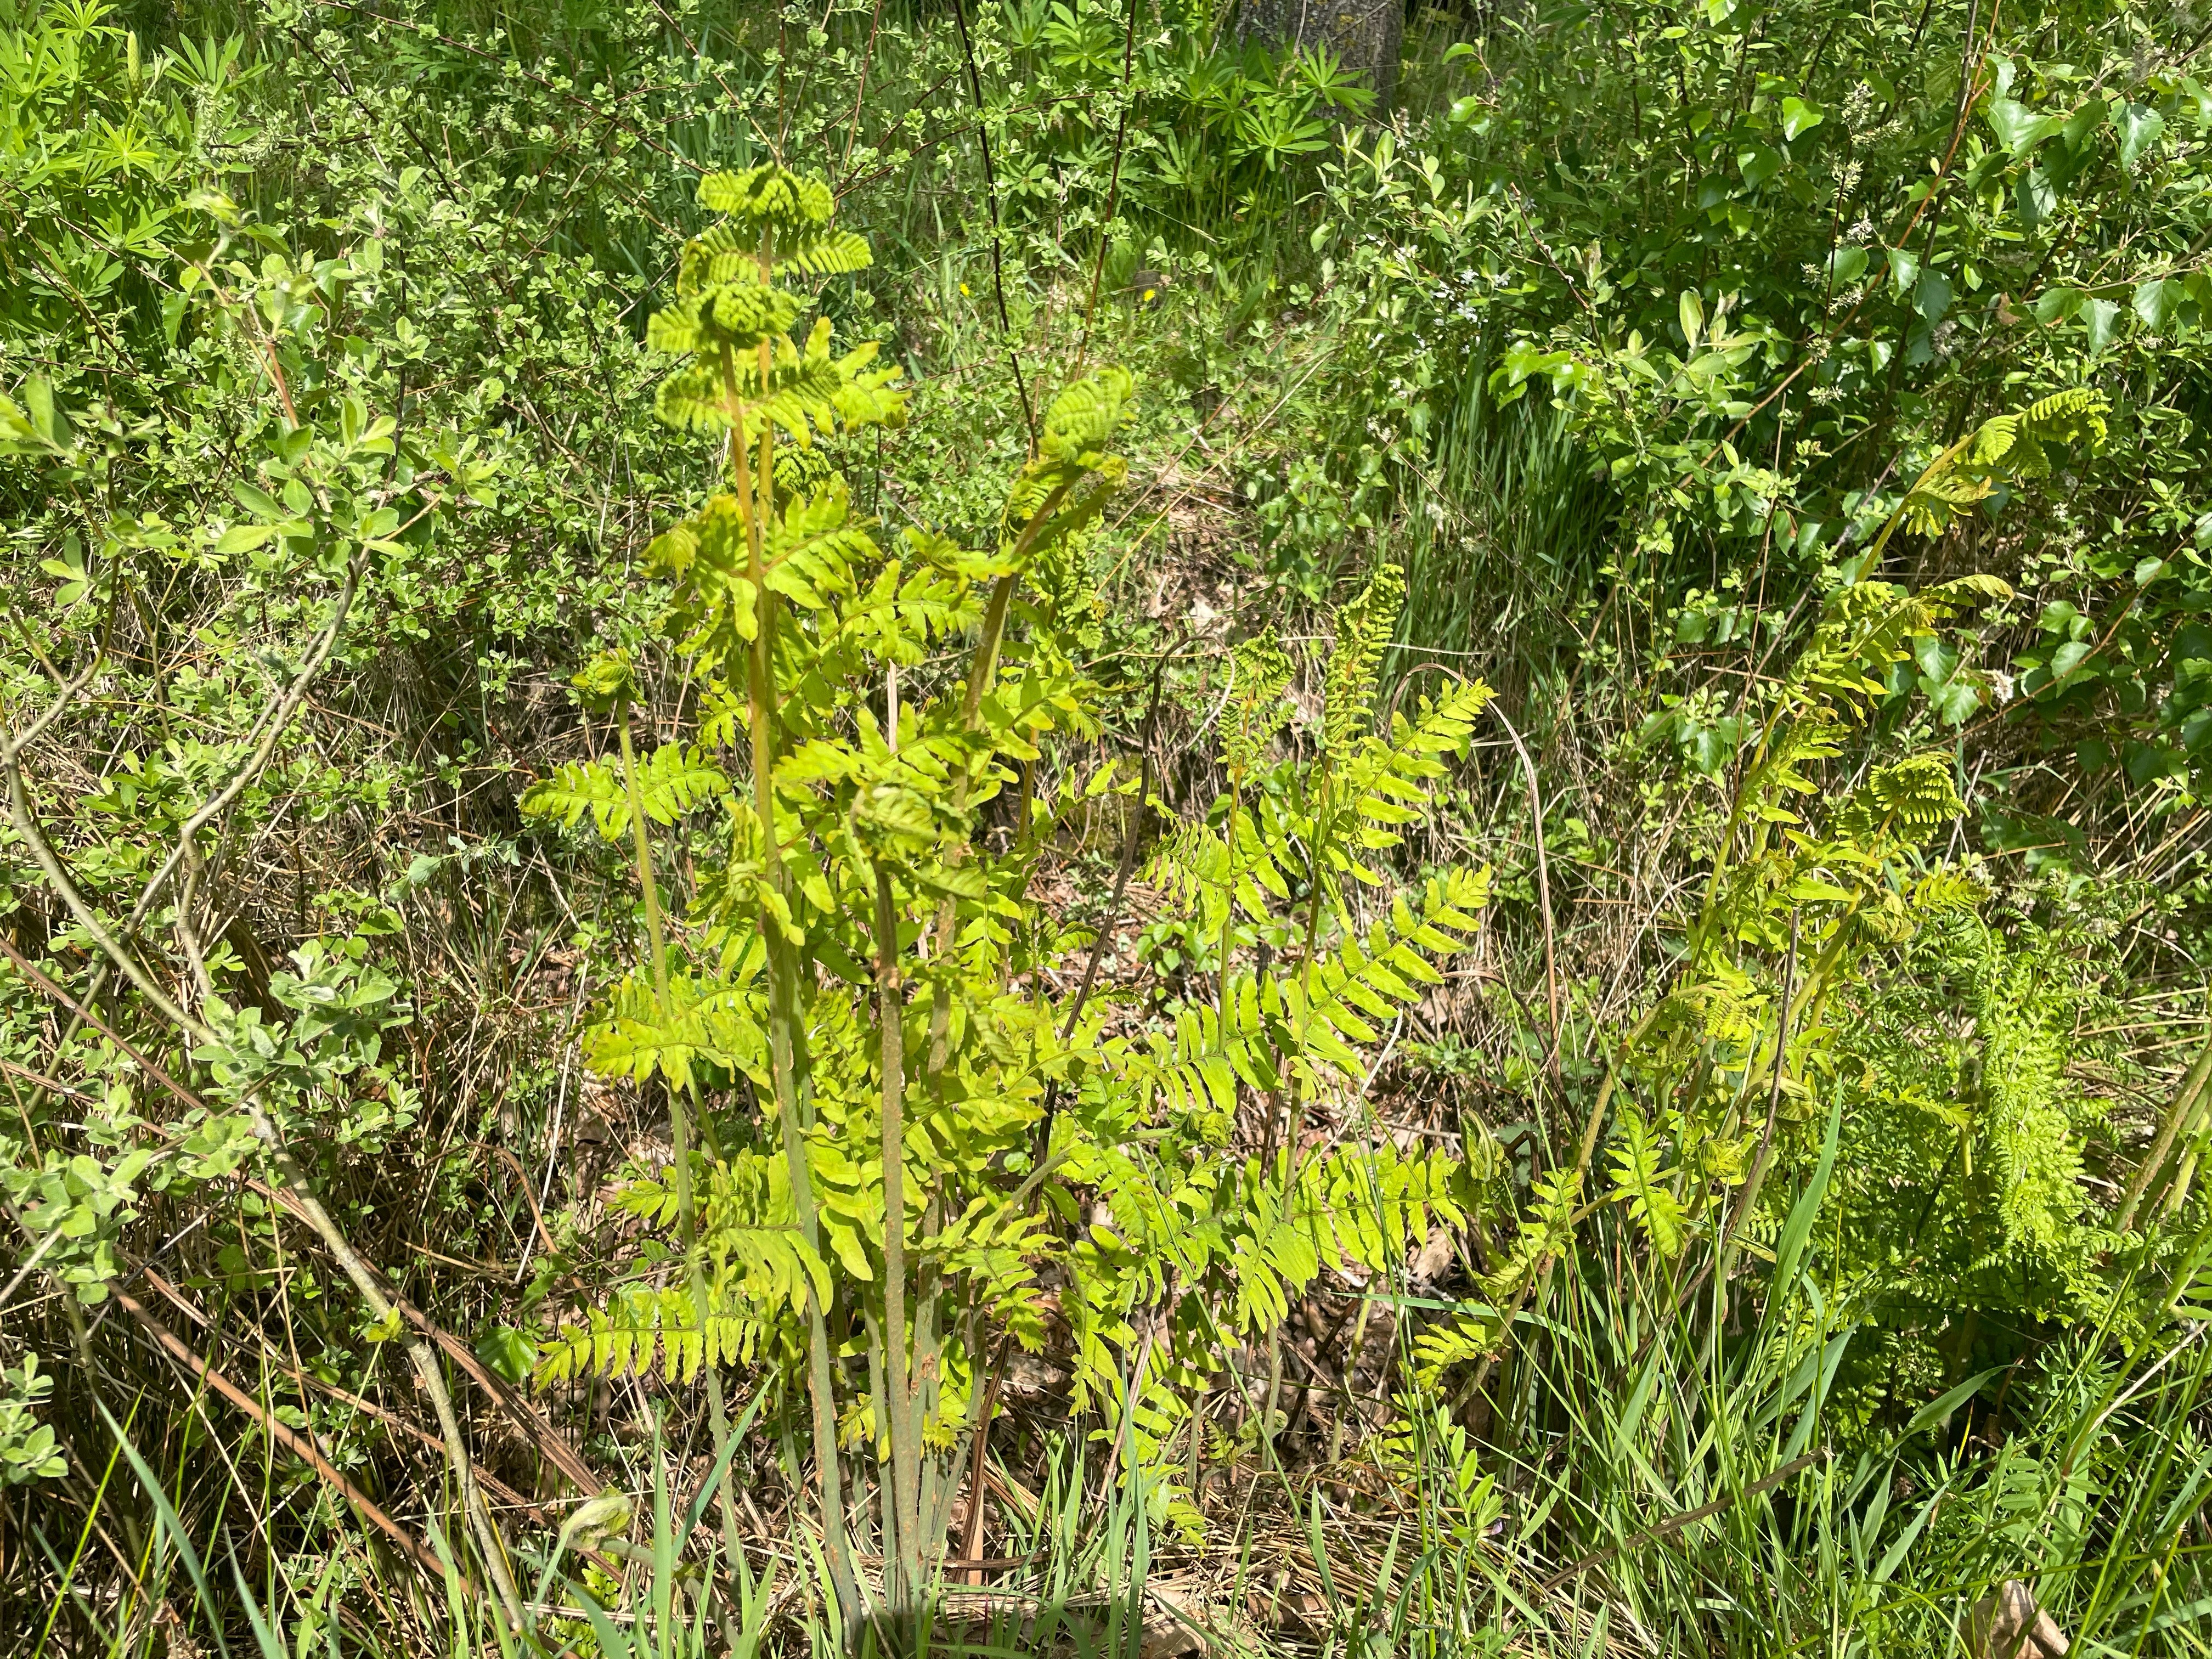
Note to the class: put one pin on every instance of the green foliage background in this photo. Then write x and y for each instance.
(1831, 1052)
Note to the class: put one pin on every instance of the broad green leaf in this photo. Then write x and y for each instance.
(2091, 117)
(1931, 296)
(2103, 320)
(2019, 127)
(2157, 299)
(1799, 116)
(240, 538)
(1758, 164)
(2140, 125)
(2058, 305)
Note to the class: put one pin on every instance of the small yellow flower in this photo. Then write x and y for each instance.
(963, 287)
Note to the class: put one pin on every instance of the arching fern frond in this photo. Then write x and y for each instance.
(1547, 1230)
(579, 787)
(813, 546)
(1376, 976)
(806, 390)
(673, 781)
(640, 1325)
(1259, 703)
(1906, 802)
(1072, 467)
(1866, 628)
(2002, 450)
(1364, 631)
(707, 1021)
(1643, 1187)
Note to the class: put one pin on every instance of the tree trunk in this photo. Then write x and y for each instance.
(1365, 34)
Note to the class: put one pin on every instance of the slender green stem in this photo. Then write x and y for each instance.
(902, 1567)
(679, 1130)
(1297, 1124)
(783, 974)
(1229, 909)
(2177, 1115)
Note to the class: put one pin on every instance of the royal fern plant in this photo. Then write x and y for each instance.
(1751, 1045)
(889, 1122)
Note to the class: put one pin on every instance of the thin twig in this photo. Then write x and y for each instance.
(1129, 843)
(1543, 882)
(1113, 186)
(991, 197)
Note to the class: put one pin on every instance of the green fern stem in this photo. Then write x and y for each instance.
(783, 991)
(1941, 463)
(1755, 776)
(902, 1565)
(2180, 1116)
(679, 1126)
(1322, 822)
(1290, 1155)
(1228, 910)
(928, 1337)
(982, 670)
(1724, 1251)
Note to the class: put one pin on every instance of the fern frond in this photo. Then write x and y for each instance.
(1947, 891)
(1933, 504)
(736, 313)
(1372, 1206)
(812, 546)
(1725, 1006)
(716, 1023)
(1866, 628)
(673, 781)
(1086, 413)
(1197, 868)
(677, 780)
(1547, 1230)
(1386, 969)
(1388, 780)
(786, 214)
(1198, 1066)
(579, 787)
(2003, 449)
(1464, 1339)
(640, 1325)
(2069, 416)
(1641, 1185)
(1073, 465)
(1908, 801)
(1259, 704)
(768, 197)
(1364, 631)
(824, 253)
(1442, 727)
(806, 390)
